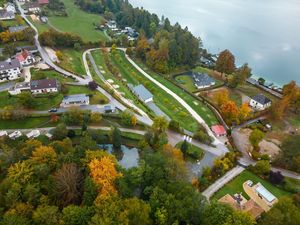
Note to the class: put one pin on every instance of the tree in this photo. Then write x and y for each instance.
(11, 219)
(244, 112)
(225, 62)
(26, 99)
(74, 116)
(138, 212)
(142, 47)
(221, 97)
(104, 173)
(60, 132)
(133, 120)
(19, 20)
(229, 111)
(282, 213)
(116, 138)
(96, 117)
(92, 85)
(240, 76)
(261, 168)
(276, 178)
(47, 215)
(9, 49)
(45, 154)
(67, 184)
(184, 147)
(90, 191)
(76, 215)
(113, 48)
(256, 137)
(126, 117)
(59, 55)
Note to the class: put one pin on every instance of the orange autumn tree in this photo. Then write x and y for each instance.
(244, 112)
(229, 111)
(104, 173)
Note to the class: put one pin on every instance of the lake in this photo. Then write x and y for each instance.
(265, 33)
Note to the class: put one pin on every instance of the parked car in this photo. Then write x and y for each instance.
(53, 110)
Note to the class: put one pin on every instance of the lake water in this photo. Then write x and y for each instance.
(264, 33)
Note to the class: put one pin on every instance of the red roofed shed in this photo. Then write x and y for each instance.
(43, 2)
(219, 130)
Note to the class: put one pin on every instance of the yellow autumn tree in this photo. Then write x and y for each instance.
(133, 121)
(104, 173)
(45, 154)
(221, 97)
(244, 112)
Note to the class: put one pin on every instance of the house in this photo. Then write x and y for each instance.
(32, 49)
(219, 130)
(10, 70)
(33, 134)
(25, 58)
(239, 203)
(32, 7)
(111, 24)
(75, 100)
(44, 86)
(3, 133)
(43, 2)
(6, 15)
(44, 19)
(16, 29)
(10, 7)
(142, 93)
(202, 80)
(262, 192)
(260, 102)
(19, 88)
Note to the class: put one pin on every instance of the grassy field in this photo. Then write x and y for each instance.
(27, 123)
(41, 27)
(98, 57)
(42, 102)
(163, 100)
(236, 186)
(72, 61)
(197, 105)
(78, 22)
(50, 74)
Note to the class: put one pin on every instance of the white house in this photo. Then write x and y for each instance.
(111, 24)
(202, 80)
(10, 7)
(25, 58)
(260, 102)
(32, 7)
(75, 100)
(10, 70)
(44, 86)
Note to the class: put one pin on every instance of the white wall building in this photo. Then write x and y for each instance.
(25, 58)
(75, 100)
(260, 102)
(44, 86)
(10, 70)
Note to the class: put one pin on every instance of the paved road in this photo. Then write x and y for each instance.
(222, 181)
(44, 54)
(143, 117)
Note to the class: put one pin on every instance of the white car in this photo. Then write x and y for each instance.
(33, 134)
(16, 134)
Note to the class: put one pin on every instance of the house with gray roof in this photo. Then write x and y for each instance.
(10, 70)
(16, 29)
(142, 93)
(202, 80)
(6, 15)
(260, 102)
(75, 100)
(44, 86)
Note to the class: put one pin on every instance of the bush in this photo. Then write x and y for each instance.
(203, 137)
(175, 126)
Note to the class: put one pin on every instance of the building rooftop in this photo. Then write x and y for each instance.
(260, 98)
(6, 65)
(202, 79)
(43, 84)
(28, 48)
(218, 129)
(142, 92)
(6, 14)
(260, 189)
(17, 28)
(75, 98)
(30, 5)
(43, 2)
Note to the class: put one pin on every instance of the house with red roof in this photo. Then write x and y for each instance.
(219, 130)
(25, 58)
(43, 2)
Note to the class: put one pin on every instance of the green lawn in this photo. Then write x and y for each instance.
(292, 185)
(207, 115)
(27, 123)
(41, 27)
(163, 100)
(98, 57)
(186, 81)
(251, 90)
(78, 22)
(236, 186)
(97, 97)
(72, 61)
(50, 74)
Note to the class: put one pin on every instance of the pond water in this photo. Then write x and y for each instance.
(127, 157)
(264, 33)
